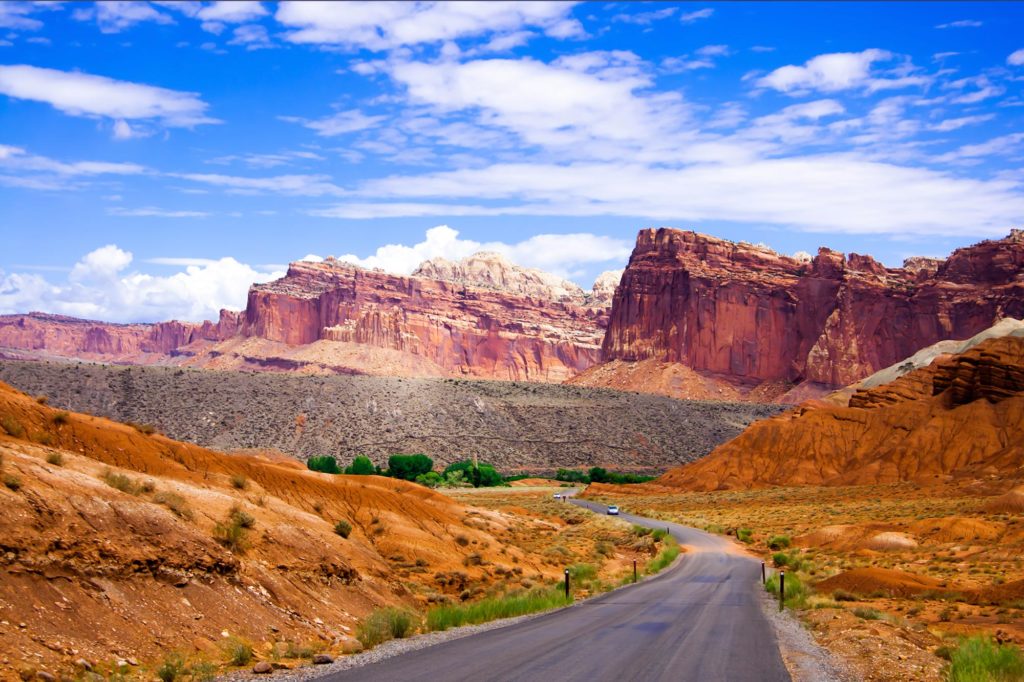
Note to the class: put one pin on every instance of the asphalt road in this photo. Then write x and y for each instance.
(699, 620)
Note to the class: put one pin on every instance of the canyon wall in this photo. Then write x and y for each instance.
(748, 316)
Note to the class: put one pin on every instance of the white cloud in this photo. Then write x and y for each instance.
(690, 17)
(646, 18)
(1016, 58)
(102, 286)
(123, 131)
(826, 192)
(268, 160)
(839, 71)
(114, 16)
(381, 26)
(974, 153)
(153, 212)
(17, 15)
(337, 124)
(293, 185)
(714, 51)
(962, 23)
(253, 36)
(557, 253)
(957, 123)
(984, 89)
(234, 12)
(43, 173)
(83, 94)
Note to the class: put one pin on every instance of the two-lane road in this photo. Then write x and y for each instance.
(699, 620)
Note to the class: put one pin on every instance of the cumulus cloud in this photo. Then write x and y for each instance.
(104, 286)
(562, 254)
(1016, 58)
(82, 94)
(382, 26)
(19, 15)
(838, 71)
(114, 16)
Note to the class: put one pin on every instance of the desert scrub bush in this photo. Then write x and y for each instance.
(582, 572)
(506, 606)
(12, 426)
(175, 668)
(979, 659)
(659, 534)
(777, 542)
(383, 625)
(641, 531)
(42, 399)
(233, 532)
(664, 558)
(343, 528)
(61, 417)
(55, 458)
(146, 429)
(12, 482)
(745, 535)
(843, 595)
(239, 482)
(237, 652)
(867, 614)
(120, 482)
(175, 503)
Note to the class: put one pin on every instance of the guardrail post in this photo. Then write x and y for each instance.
(567, 583)
(782, 588)
(634, 570)
(764, 577)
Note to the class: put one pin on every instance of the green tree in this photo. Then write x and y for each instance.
(408, 467)
(323, 463)
(361, 466)
(485, 475)
(598, 475)
(431, 479)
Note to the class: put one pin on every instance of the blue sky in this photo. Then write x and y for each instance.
(156, 158)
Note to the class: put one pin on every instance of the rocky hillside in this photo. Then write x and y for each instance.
(962, 415)
(516, 426)
(482, 317)
(751, 322)
(132, 531)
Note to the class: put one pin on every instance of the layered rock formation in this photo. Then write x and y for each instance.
(481, 317)
(963, 415)
(747, 316)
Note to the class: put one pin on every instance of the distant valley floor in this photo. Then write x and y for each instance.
(516, 426)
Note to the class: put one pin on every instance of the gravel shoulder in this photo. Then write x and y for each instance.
(806, 660)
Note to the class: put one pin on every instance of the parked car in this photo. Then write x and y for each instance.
(613, 510)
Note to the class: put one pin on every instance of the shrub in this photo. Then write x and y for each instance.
(664, 558)
(843, 595)
(744, 535)
(12, 482)
(343, 528)
(239, 481)
(598, 475)
(867, 614)
(324, 464)
(233, 532)
(408, 467)
(582, 572)
(796, 591)
(780, 559)
(431, 479)
(237, 652)
(979, 659)
(61, 417)
(361, 466)
(172, 668)
(482, 476)
(778, 542)
(42, 399)
(55, 458)
(120, 482)
(383, 625)
(176, 503)
(12, 426)
(147, 429)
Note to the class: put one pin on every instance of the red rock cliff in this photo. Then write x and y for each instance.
(747, 313)
(473, 331)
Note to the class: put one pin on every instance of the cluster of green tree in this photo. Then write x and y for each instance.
(599, 475)
(418, 468)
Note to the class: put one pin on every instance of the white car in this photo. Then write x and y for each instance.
(558, 496)
(613, 510)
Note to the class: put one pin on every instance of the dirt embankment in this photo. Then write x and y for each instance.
(116, 544)
(516, 426)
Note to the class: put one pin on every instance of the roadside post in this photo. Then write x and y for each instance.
(782, 588)
(567, 583)
(634, 570)
(764, 578)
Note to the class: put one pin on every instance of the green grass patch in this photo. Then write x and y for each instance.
(506, 606)
(385, 624)
(664, 558)
(796, 591)
(979, 659)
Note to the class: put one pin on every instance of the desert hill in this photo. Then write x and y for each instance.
(516, 426)
(118, 544)
(962, 415)
(700, 317)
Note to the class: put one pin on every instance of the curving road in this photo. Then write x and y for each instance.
(699, 620)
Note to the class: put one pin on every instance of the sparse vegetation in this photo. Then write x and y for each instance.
(239, 482)
(664, 559)
(120, 482)
(12, 426)
(745, 535)
(61, 417)
(383, 625)
(796, 590)
(12, 482)
(238, 652)
(979, 659)
(867, 613)
(778, 542)
(233, 532)
(507, 606)
(55, 458)
(146, 429)
(343, 528)
(175, 503)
